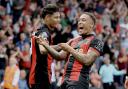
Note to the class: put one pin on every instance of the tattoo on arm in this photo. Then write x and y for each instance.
(86, 59)
(95, 49)
(91, 57)
(56, 47)
(57, 55)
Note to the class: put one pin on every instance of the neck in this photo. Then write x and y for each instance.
(49, 27)
(86, 35)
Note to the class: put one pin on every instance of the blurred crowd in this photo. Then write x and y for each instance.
(19, 18)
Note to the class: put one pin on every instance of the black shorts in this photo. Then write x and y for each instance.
(73, 85)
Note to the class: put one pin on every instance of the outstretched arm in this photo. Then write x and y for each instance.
(43, 50)
(55, 54)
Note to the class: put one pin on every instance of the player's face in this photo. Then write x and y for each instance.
(55, 19)
(84, 24)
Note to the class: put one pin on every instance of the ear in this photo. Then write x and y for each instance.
(47, 17)
(91, 26)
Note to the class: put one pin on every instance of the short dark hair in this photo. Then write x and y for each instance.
(91, 15)
(49, 9)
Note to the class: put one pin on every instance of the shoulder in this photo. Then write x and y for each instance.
(103, 66)
(97, 44)
(41, 30)
(97, 41)
(112, 65)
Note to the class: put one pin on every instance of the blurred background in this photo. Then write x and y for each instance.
(19, 18)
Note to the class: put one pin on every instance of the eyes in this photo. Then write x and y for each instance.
(56, 15)
(82, 19)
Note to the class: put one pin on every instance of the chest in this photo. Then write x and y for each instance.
(81, 45)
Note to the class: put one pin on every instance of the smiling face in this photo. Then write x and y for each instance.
(85, 24)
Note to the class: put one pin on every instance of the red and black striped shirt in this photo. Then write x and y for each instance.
(75, 70)
(41, 63)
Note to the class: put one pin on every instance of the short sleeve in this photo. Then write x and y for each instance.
(97, 45)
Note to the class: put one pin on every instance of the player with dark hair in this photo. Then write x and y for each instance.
(81, 52)
(39, 77)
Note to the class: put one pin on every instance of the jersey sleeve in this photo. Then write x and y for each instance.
(97, 45)
(44, 33)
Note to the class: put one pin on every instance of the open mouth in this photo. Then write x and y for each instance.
(81, 28)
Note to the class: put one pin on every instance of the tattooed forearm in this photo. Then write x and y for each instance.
(56, 47)
(86, 59)
(55, 54)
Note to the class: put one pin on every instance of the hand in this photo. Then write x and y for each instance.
(69, 42)
(40, 40)
(126, 84)
(64, 46)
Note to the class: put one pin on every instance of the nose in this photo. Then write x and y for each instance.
(79, 22)
(58, 20)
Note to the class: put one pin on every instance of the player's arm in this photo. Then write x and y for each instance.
(56, 47)
(42, 49)
(55, 54)
(50, 49)
(34, 37)
(96, 47)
